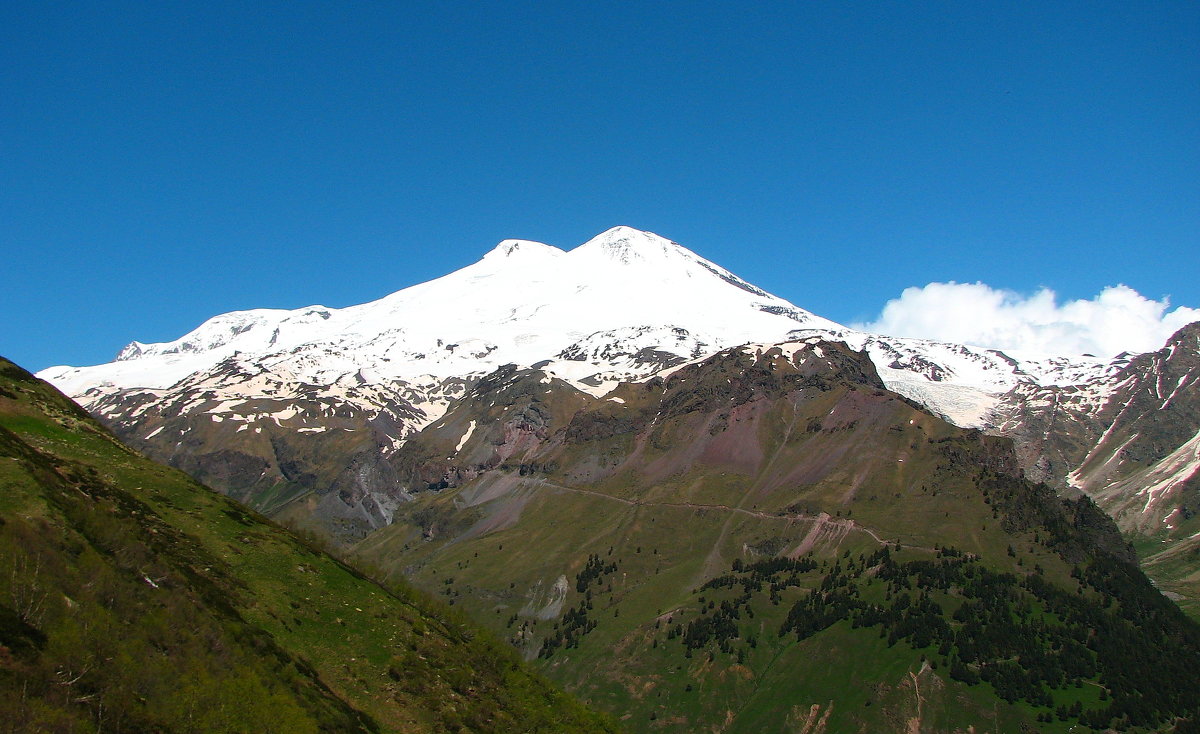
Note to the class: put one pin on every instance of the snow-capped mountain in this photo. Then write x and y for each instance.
(522, 302)
(255, 402)
(618, 307)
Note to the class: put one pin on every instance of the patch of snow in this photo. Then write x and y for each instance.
(463, 441)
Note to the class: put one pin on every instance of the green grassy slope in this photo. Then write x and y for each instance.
(133, 599)
(629, 550)
(1175, 568)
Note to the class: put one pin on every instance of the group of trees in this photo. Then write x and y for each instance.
(1025, 636)
(576, 622)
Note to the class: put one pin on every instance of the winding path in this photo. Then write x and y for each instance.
(790, 517)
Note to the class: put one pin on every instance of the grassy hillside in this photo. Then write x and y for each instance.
(133, 599)
(773, 542)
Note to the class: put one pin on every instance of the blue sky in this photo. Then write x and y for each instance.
(164, 162)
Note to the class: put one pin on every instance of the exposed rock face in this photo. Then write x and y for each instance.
(1130, 442)
(270, 442)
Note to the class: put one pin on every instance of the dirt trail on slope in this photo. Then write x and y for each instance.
(820, 521)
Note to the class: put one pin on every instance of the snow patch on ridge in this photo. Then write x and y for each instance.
(465, 437)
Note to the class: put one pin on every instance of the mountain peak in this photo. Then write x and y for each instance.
(514, 248)
(624, 232)
(625, 244)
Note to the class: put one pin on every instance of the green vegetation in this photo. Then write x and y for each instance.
(1175, 567)
(759, 547)
(575, 622)
(1031, 640)
(133, 599)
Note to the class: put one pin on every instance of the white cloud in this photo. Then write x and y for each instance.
(1118, 319)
